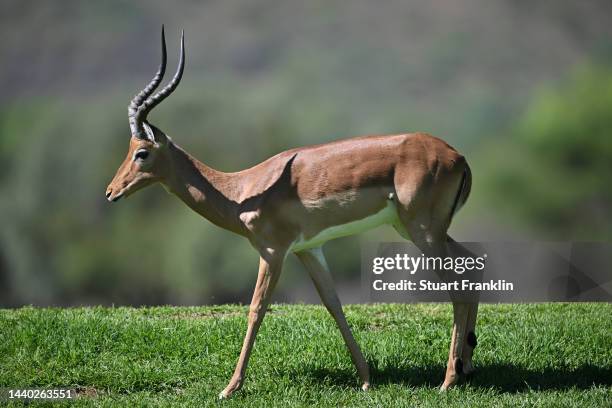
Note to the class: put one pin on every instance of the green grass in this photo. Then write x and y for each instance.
(542, 355)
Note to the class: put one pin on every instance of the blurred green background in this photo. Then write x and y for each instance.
(523, 89)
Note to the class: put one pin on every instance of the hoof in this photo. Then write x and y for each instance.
(365, 386)
(448, 383)
(227, 393)
(452, 374)
(233, 386)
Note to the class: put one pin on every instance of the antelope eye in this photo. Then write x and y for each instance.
(141, 155)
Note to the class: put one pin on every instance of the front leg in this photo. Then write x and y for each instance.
(315, 263)
(270, 266)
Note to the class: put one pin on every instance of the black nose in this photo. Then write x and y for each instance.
(108, 193)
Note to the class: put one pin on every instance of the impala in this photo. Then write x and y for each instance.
(297, 200)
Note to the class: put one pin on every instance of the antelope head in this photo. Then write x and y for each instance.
(145, 162)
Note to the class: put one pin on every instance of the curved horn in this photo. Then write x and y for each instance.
(154, 100)
(135, 127)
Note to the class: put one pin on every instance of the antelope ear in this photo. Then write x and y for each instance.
(149, 132)
(154, 134)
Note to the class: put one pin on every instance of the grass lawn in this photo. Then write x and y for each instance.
(528, 355)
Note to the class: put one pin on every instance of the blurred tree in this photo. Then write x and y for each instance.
(554, 170)
(265, 76)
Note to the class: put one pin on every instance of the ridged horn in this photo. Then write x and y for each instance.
(135, 124)
(153, 101)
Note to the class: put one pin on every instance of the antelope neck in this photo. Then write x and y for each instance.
(207, 191)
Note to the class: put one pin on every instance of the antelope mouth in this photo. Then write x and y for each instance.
(110, 198)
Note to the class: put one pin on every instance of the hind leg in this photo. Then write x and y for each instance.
(471, 341)
(468, 350)
(430, 237)
(455, 366)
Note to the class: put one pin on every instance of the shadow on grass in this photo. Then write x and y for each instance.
(504, 378)
(510, 378)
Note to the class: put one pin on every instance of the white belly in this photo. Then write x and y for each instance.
(387, 215)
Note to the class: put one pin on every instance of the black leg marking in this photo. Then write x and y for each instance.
(458, 366)
(472, 341)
